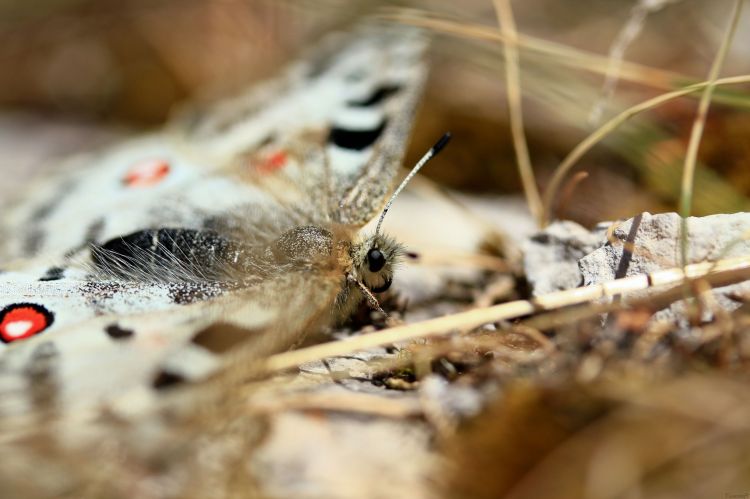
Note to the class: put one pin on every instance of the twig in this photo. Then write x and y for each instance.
(625, 38)
(560, 54)
(364, 403)
(729, 270)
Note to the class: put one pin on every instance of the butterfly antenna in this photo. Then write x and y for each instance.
(427, 157)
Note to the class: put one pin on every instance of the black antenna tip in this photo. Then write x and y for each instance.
(441, 143)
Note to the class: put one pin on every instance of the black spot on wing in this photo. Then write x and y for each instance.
(41, 372)
(35, 237)
(267, 140)
(222, 337)
(41, 361)
(44, 210)
(356, 75)
(94, 230)
(378, 96)
(153, 251)
(165, 379)
(33, 241)
(355, 139)
(93, 233)
(116, 332)
(53, 274)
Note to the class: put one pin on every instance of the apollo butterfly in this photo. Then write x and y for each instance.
(244, 217)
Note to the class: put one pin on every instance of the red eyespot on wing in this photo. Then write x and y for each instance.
(22, 320)
(272, 162)
(146, 173)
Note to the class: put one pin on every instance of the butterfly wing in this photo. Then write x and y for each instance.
(331, 130)
(143, 183)
(121, 351)
(339, 130)
(321, 143)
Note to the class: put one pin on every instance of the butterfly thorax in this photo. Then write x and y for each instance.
(361, 266)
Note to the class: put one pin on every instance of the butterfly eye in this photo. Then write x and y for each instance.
(375, 260)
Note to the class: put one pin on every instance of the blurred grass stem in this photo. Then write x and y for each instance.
(600, 133)
(515, 107)
(696, 134)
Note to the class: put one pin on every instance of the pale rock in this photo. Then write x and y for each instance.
(565, 255)
(550, 257)
(647, 243)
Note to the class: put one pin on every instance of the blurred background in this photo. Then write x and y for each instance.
(78, 73)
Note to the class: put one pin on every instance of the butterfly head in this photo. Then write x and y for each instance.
(374, 261)
(376, 257)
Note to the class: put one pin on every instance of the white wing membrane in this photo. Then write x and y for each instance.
(94, 203)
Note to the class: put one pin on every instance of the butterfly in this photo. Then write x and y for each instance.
(140, 266)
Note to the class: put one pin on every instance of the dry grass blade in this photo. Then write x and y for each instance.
(462, 259)
(515, 107)
(727, 271)
(691, 158)
(362, 403)
(625, 38)
(558, 53)
(567, 192)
